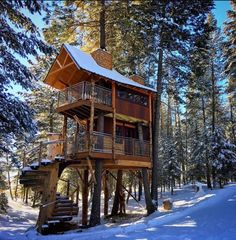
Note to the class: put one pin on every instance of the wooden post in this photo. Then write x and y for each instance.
(49, 195)
(150, 125)
(68, 188)
(114, 120)
(91, 118)
(85, 198)
(64, 136)
(106, 193)
(96, 202)
(24, 158)
(40, 152)
(116, 201)
(150, 207)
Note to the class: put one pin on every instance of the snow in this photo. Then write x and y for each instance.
(209, 217)
(46, 161)
(18, 219)
(86, 62)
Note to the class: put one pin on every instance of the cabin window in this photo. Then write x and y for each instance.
(132, 97)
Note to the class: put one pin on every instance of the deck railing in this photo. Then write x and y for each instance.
(102, 143)
(83, 91)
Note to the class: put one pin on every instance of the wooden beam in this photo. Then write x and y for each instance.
(62, 68)
(57, 61)
(65, 59)
(72, 75)
(91, 169)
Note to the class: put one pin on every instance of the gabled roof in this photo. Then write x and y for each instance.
(85, 61)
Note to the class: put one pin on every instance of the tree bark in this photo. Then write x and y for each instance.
(155, 167)
(149, 205)
(106, 193)
(85, 198)
(116, 201)
(208, 170)
(96, 201)
(102, 22)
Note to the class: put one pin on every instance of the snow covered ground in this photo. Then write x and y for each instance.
(202, 216)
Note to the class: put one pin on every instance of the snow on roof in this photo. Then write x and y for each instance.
(86, 62)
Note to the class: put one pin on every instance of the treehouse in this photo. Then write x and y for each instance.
(113, 116)
(112, 110)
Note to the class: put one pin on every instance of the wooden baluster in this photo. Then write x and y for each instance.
(40, 152)
(68, 188)
(24, 158)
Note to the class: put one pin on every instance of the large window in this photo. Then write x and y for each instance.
(133, 97)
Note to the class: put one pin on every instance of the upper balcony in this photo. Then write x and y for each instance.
(102, 146)
(76, 99)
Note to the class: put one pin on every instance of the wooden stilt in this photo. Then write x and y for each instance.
(85, 198)
(106, 193)
(116, 201)
(64, 136)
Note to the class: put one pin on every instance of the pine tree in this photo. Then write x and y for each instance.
(20, 37)
(224, 156)
(230, 65)
(174, 32)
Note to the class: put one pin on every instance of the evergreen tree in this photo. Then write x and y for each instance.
(224, 157)
(20, 37)
(230, 65)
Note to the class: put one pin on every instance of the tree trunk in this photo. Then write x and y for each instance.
(9, 177)
(149, 205)
(102, 23)
(156, 167)
(96, 201)
(208, 170)
(85, 198)
(106, 193)
(232, 121)
(116, 202)
(140, 188)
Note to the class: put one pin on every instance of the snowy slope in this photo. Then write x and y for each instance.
(207, 217)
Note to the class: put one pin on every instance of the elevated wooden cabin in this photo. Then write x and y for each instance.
(113, 118)
(115, 112)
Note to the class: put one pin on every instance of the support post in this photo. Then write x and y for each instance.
(85, 198)
(114, 120)
(91, 119)
(106, 193)
(150, 125)
(96, 202)
(150, 207)
(64, 136)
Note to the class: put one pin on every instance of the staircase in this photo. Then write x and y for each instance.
(56, 211)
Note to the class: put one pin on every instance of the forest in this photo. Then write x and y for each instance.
(179, 51)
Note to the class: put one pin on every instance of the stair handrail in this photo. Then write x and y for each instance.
(38, 150)
(47, 204)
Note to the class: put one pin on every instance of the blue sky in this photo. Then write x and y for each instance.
(220, 12)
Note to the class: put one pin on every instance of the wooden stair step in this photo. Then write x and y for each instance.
(65, 213)
(61, 218)
(35, 173)
(59, 204)
(62, 198)
(64, 201)
(67, 208)
(31, 182)
(30, 177)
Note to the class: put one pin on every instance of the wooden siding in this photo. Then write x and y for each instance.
(131, 109)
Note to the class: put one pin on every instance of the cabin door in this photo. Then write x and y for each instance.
(129, 143)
